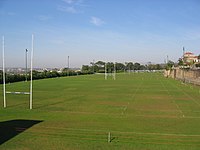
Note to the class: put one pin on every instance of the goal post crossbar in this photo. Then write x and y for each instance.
(19, 93)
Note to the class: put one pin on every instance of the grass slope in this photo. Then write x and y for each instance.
(143, 111)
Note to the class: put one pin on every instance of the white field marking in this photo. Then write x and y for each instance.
(128, 115)
(124, 108)
(172, 98)
(125, 132)
(165, 116)
(169, 110)
(132, 96)
(187, 95)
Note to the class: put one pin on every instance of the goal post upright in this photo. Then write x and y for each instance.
(31, 80)
(4, 78)
(105, 71)
(114, 71)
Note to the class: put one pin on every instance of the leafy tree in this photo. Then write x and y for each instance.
(136, 66)
(197, 65)
(199, 57)
(110, 66)
(85, 69)
(129, 66)
(120, 67)
(142, 67)
(169, 65)
(99, 66)
(100, 63)
(180, 62)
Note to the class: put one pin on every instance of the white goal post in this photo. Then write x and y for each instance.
(113, 74)
(4, 77)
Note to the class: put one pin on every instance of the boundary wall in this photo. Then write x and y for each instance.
(185, 75)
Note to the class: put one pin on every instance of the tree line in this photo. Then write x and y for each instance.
(99, 67)
(10, 78)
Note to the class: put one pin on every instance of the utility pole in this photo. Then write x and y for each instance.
(183, 53)
(68, 62)
(167, 58)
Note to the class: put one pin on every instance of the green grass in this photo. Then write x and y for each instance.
(143, 111)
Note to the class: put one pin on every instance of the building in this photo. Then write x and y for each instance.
(189, 58)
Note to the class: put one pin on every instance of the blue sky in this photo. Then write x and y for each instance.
(108, 30)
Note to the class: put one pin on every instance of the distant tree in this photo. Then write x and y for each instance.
(198, 56)
(197, 65)
(1, 76)
(180, 62)
(129, 65)
(136, 66)
(142, 67)
(100, 63)
(120, 67)
(99, 66)
(169, 65)
(110, 66)
(65, 69)
(158, 67)
(85, 69)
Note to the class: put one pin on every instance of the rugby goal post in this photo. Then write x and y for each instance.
(31, 77)
(113, 74)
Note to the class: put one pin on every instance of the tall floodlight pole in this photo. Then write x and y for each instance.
(167, 58)
(183, 53)
(31, 84)
(4, 78)
(26, 55)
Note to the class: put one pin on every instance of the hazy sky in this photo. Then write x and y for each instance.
(108, 30)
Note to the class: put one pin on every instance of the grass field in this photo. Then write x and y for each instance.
(142, 111)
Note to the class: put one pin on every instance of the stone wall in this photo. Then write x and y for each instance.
(186, 75)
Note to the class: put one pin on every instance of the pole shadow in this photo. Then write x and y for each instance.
(10, 129)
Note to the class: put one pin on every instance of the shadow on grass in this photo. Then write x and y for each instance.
(9, 129)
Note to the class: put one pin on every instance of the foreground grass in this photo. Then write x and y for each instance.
(142, 111)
